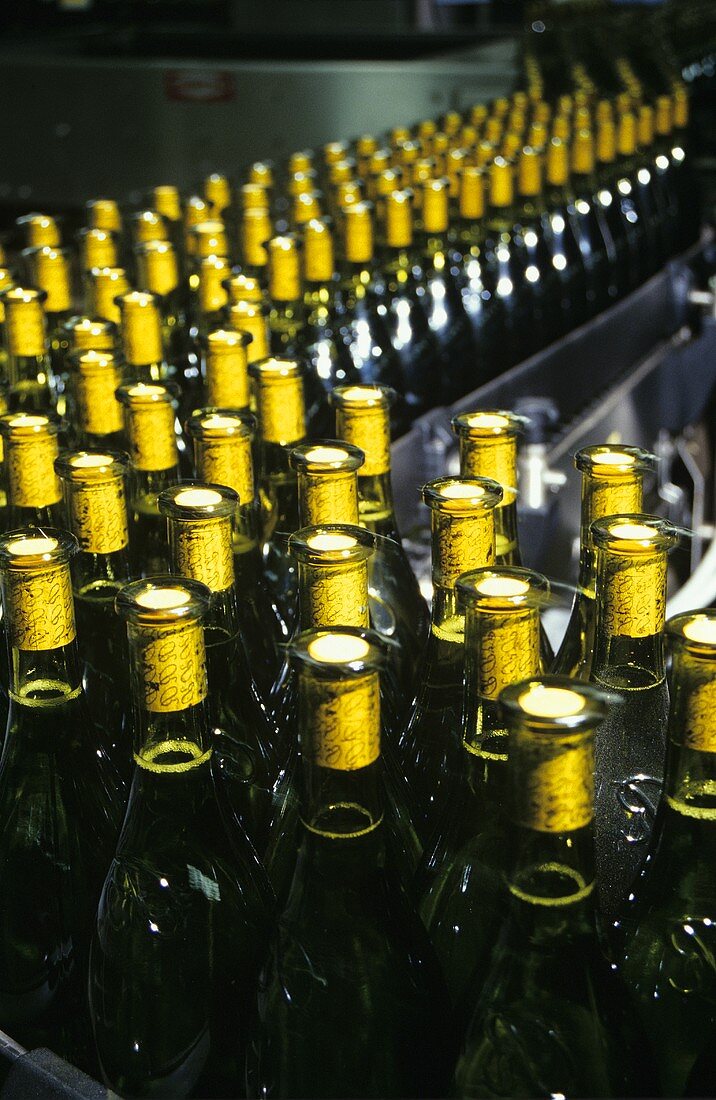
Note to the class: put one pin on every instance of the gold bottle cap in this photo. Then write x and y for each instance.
(217, 192)
(469, 136)
(301, 161)
(501, 183)
(663, 120)
(200, 532)
(606, 141)
(399, 134)
(557, 162)
(342, 170)
(565, 105)
(243, 288)
(196, 211)
(30, 444)
(25, 325)
(472, 192)
(426, 128)
(105, 284)
(379, 161)
(97, 247)
(149, 424)
(631, 563)
(95, 498)
(280, 400)
(500, 106)
(542, 113)
(530, 173)
(478, 114)
(166, 201)
(104, 214)
(358, 233)
(157, 267)
(209, 239)
(50, 270)
(148, 225)
(254, 196)
(97, 377)
(307, 205)
(363, 419)
(37, 589)
(256, 230)
(227, 376)
(485, 153)
(318, 259)
(301, 182)
(406, 153)
(435, 205)
(681, 107)
(582, 119)
(399, 219)
(603, 111)
(348, 193)
(251, 317)
(452, 121)
(223, 455)
(494, 128)
(39, 230)
(516, 122)
(561, 128)
(510, 145)
(86, 334)
(646, 126)
(213, 273)
(538, 135)
(366, 145)
(284, 269)
(141, 328)
(261, 171)
(335, 151)
(626, 134)
(634, 535)
(583, 153)
(327, 483)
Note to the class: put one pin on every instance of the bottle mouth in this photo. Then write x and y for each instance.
(163, 602)
(333, 653)
(634, 534)
(697, 629)
(505, 589)
(198, 502)
(91, 466)
(32, 548)
(327, 456)
(607, 461)
(554, 706)
(331, 544)
(462, 496)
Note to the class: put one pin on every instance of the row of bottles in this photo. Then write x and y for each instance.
(267, 826)
(429, 263)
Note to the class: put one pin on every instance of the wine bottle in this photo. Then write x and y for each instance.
(671, 914)
(141, 335)
(95, 377)
(184, 913)
(34, 495)
(39, 230)
(200, 519)
(322, 341)
(223, 455)
(505, 259)
(28, 362)
(93, 487)
(226, 382)
(408, 328)
(104, 285)
(287, 313)
(587, 223)
(443, 301)
(621, 214)
(612, 483)
(544, 1020)
(540, 275)
(349, 946)
(463, 538)
(49, 269)
(252, 318)
(158, 273)
(461, 877)
(628, 659)
(256, 230)
(97, 248)
(577, 297)
(149, 429)
(61, 803)
(326, 481)
(281, 412)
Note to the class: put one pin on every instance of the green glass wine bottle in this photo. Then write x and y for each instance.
(200, 519)
(281, 412)
(152, 443)
(61, 804)
(141, 337)
(488, 448)
(184, 913)
(223, 455)
(104, 286)
(461, 878)
(93, 486)
(34, 495)
(49, 270)
(628, 660)
(28, 361)
(463, 538)
(352, 1002)
(669, 922)
(544, 1020)
(612, 483)
(158, 273)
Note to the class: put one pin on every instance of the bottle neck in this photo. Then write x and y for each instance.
(281, 486)
(375, 504)
(333, 595)
(327, 498)
(339, 724)
(602, 497)
(690, 784)
(501, 648)
(631, 601)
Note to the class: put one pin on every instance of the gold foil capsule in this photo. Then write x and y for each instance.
(200, 520)
(280, 400)
(327, 482)
(223, 454)
(30, 446)
(93, 484)
(149, 424)
(332, 564)
(37, 588)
